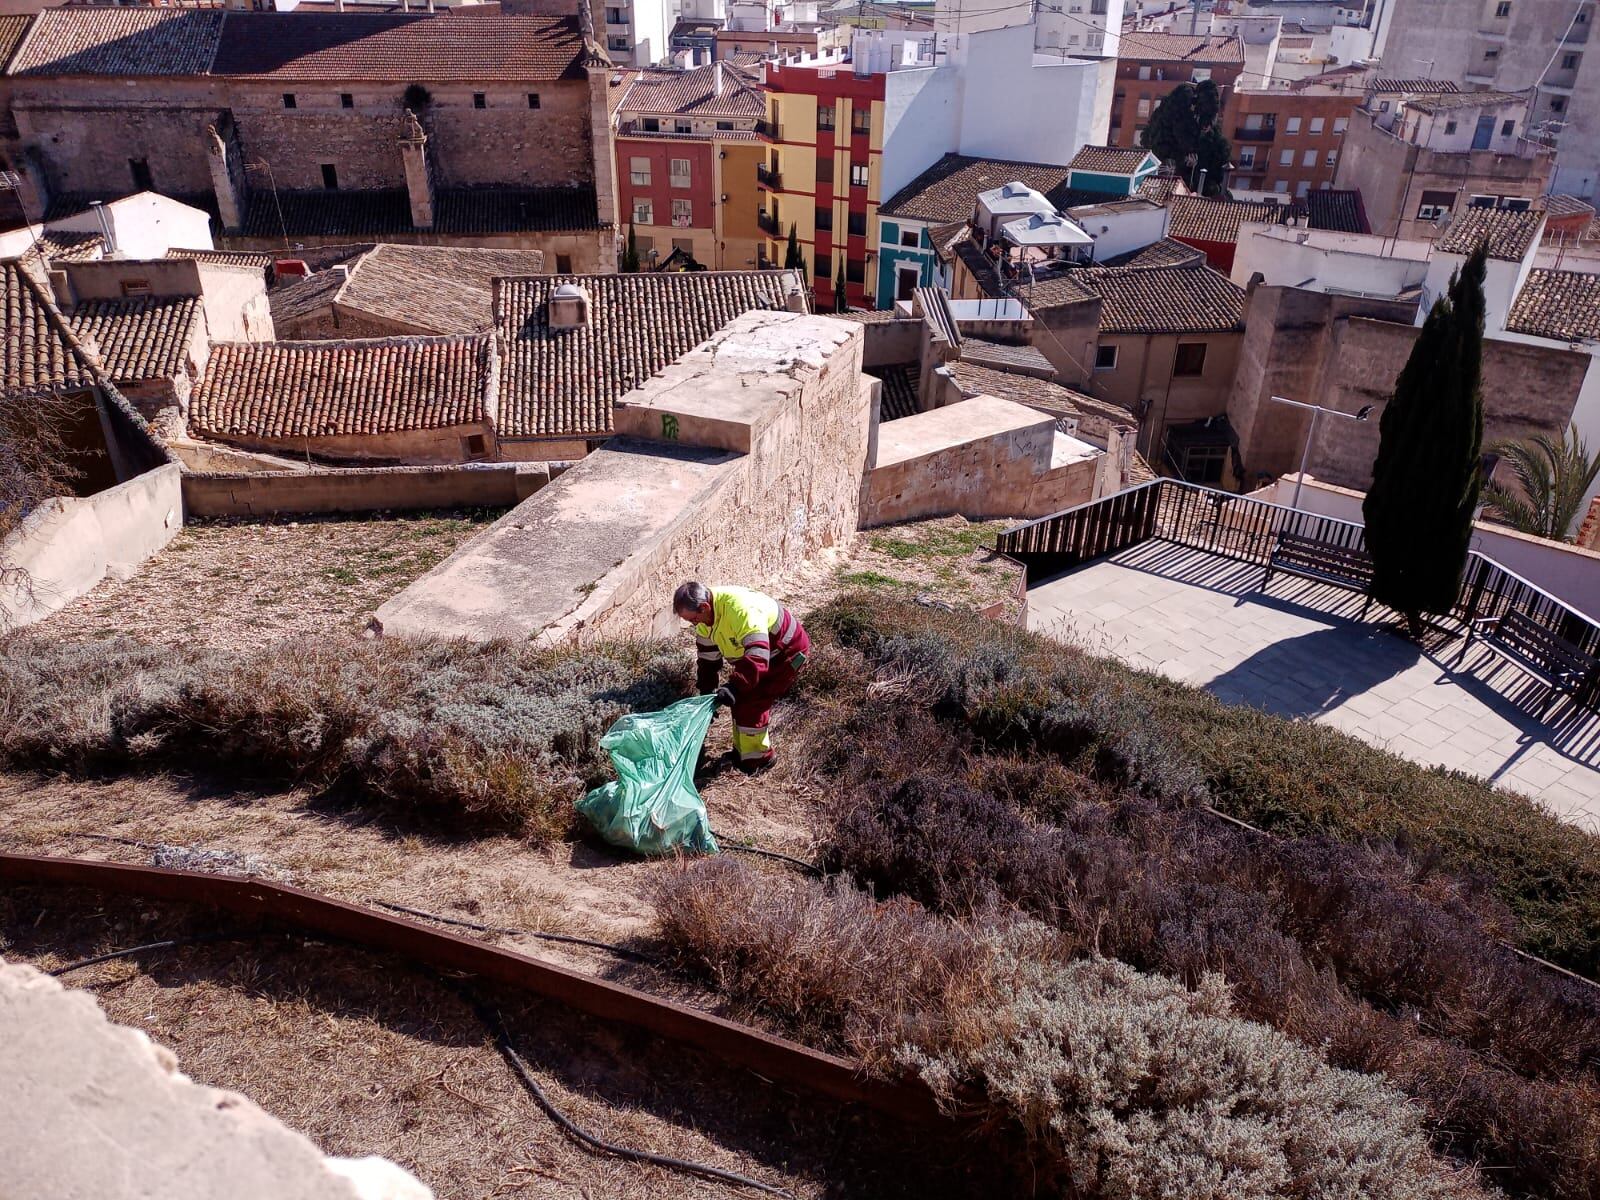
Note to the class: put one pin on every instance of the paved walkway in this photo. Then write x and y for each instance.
(1299, 650)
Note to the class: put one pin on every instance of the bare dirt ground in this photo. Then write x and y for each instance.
(236, 584)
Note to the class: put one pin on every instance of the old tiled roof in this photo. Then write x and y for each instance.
(329, 389)
(563, 382)
(1149, 46)
(298, 297)
(1003, 357)
(226, 258)
(437, 289)
(1146, 299)
(1203, 219)
(1561, 205)
(1508, 234)
(869, 316)
(1564, 305)
(64, 245)
(369, 215)
(120, 41)
(617, 85)
(1421, 86)
(1095, 417)
(39, 355)
(696, 92)
(11, 30)
(1459, 100)
(138, 338)
(948, 190)
(1338, 209)
(1165, 253)
(978, 264)
(401, 48)
(1109, 160)
(898, 398)
(1159, 188)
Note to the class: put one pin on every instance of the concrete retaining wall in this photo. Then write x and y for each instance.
(365, 489)
(69, 544)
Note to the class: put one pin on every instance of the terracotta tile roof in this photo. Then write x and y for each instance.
(1337, 209)
(869, 316)
(948, 190)
(1561, 205)
(1564, 305)
(369, 215)
(11, 31)
(39, 355)
(401, 48)
(1509, 234)
(327, 389)
(1203, 219)
(563, 382)
(1152, 47)
(296, 298)
(138, 338)
(617, 85)
(696, 92)
(1159, 188)
(435, 289)
(898, 399)
(1002, 357)
(1165, 253)
(1095, 417)
(1146, 299)
(1421, 86)
(62, 245)
(226, 258)
(1459, 100)
(120, 41)
(1109, 160)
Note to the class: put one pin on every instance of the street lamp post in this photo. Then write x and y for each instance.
(1316, 411)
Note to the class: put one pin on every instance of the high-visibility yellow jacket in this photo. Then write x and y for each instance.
(746, 628)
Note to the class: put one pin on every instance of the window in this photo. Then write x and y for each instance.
(1435, 205)
(643, 213)
(1281, 186)
(1105, 358)
(1293, 125)
(683, 127)
(475, 446)
(680, 172)
(639, 172)
(825, 169)
(1340, 124)
(1558, 104)
(346, 100)
(1332, 159)
(825, 118)
(1508, 127)
(1190, 359)
(1144, 106)
(1316, 124)
(533, 99)
(1203, 464)
(1247, 158)
(684, 244)
(646, 244)
(1144, 72)
(858, 176)
(139, 168)
(854, 270)
(725, 125)
(860, 119)
(135, 287)
(480, 100)
(682, 213)
(1383, 106)
(614, 17)
(288, 100)
(1478, 201)
(1512, 204)
(330, 177)
(1301, 188)
(825, 219)
(1503, 9)
(858, 224)
(650, 124)
(617, 43)
(1308, 159)
(1201, 74)
(1286, 158)
(910, 237)
(563, 264)
(1492, 53)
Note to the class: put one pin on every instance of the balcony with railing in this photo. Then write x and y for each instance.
(1173, 577)
(768, 177)
(1265, 134)
(770, 130)
(769, 223)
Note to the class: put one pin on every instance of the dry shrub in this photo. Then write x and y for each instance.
(503, 734)
(1017, 690)
(1125, 1085)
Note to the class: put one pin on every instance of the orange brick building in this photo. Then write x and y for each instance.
(1151, 65)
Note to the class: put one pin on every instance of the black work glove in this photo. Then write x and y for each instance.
(725, 696)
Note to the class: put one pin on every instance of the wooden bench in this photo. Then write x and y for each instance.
(1561, 666)
(1326, 562)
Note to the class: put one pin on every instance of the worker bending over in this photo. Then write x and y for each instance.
(767, 647)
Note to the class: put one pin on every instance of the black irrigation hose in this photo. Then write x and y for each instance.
(588, 1140)
(502, 1038)
(808, 868)
(571, 939)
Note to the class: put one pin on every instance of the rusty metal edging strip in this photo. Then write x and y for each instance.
(774, 1058)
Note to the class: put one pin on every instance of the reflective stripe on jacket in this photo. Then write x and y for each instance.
(746, 628)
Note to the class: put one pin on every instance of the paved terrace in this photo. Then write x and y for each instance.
(1299, 650)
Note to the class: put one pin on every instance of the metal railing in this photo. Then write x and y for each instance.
(769, 223)
(770, 130)
(1241, 134)
(768, 177)
(1246, 529)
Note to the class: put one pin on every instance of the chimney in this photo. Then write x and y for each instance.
(717, 75)
(106, 230)
(419, 179)
(794, 296)
(568, 307)
(226, 181)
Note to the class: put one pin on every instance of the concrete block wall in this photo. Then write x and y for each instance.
(95, 1109)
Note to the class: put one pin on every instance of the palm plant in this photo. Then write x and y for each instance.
(1552, 479)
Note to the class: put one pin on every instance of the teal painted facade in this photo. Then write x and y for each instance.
(1112, 185)
(892, 256)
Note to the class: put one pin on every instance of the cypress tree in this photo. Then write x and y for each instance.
(1427, 475)
(630, 255)
(839, 304)
(792, 261)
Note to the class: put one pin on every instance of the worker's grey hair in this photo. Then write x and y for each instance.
(690, 597)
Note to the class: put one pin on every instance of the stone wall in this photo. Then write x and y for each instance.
(416, 447)
(95, 1109)
(364, 489)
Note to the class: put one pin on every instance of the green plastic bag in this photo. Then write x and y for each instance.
(653, 806)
